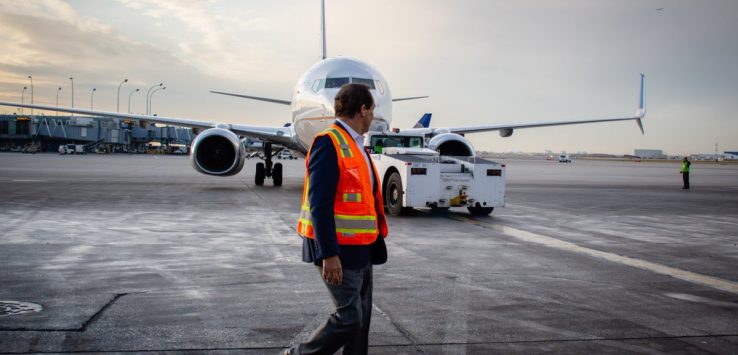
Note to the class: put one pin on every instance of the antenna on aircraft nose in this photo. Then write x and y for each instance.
(322, 25)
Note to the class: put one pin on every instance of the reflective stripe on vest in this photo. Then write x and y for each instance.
(352, 197)
(345, 148)
(344, 223)
(358, 213)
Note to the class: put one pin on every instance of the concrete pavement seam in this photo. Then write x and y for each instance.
(400, 329)
(277, 348)
(84, 326)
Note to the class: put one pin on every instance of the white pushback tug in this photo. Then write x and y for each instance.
(413, 175)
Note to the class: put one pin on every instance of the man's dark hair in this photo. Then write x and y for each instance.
(350, 98)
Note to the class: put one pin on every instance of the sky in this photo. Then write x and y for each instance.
(481, 62)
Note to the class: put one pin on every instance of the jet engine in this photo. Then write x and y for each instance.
(506, 132)
(217, 151)
(451, 144)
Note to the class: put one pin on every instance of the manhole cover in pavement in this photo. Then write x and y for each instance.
(12, 308)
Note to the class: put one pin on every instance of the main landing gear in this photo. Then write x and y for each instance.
(267, 170)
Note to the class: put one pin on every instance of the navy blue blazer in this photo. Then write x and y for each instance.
(323, 175)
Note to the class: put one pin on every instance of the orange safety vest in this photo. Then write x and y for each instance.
(358, 213)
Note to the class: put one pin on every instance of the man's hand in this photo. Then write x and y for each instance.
(332, 270)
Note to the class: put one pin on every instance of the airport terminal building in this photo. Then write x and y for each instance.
(649, 153)
(97, 134)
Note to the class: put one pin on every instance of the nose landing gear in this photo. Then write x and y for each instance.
(267, 169)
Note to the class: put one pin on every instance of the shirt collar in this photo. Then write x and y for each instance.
(358, 138)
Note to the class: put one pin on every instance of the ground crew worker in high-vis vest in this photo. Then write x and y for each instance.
(685, 173)
(342, 224)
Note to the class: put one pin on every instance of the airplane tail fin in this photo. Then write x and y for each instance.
(322, 26)
(641, 106)
(424, 122)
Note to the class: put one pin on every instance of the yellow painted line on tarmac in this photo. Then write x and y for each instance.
(530, 237)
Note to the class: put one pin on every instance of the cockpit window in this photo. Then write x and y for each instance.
(367, 82)
(335, 82)
(380, 87)
(338, 82)
(317, 85)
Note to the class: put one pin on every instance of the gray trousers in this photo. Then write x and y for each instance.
(348, 326)
(685, 179)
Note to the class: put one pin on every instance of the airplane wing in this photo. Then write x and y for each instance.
(409, 98)
(279, 135)
(267, 99)
(507, 129)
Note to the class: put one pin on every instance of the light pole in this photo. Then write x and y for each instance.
(30, 77)
(117, 105)
(57, 100)
(92, 97)
(147, 96)
(129, 99)
(23, 97)
(72, 80)
(152, 97)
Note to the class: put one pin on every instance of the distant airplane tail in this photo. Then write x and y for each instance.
(424, 122)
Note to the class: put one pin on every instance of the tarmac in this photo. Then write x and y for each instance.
(139, 253)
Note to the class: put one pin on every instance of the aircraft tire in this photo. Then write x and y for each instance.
(393, 195)
(277, 174)
(480, 211)
(260, 174)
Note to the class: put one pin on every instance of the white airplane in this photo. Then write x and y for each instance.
(218, 149)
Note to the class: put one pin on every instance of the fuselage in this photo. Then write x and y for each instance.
(314, 94)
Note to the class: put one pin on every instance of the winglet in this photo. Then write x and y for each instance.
(424, 122)
(641, 106)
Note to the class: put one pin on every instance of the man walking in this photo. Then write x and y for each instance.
(685, 173)
(342, 224)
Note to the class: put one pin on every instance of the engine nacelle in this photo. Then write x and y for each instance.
(451, 144)
(506, 132)
(217, 151)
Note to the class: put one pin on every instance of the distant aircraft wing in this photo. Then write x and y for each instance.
(507, 129)
(267, 99)
(409, 98)
(279, 135)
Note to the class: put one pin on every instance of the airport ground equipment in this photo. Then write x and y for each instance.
(414, 176)
(285, 154)
(564, 158)
(72, 149)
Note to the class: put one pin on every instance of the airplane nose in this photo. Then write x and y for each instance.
(378, 125)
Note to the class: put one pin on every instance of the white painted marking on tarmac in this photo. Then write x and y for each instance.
(698, 299)
(714, 282)
(27, 180)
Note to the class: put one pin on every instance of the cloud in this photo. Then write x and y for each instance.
(237, 42)
(480, 61)
(55, 10)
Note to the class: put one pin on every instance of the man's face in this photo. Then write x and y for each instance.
(367, 116)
